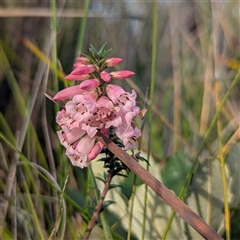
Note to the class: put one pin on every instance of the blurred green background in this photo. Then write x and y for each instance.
(186, 52)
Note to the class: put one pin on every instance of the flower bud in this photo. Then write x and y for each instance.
(83, 60)
(85, 69)
(89, 84)
(77, 77)
(121, 74)
(105, 76)
(110, 62)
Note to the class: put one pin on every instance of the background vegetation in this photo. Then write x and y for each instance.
(186, 53)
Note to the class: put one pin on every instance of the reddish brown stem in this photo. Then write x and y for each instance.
(99, 206)
(174, 202)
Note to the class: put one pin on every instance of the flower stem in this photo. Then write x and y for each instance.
(99, 206)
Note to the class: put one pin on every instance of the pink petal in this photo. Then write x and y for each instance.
(105, 76)
(79, 160)
(128, 135)
(77, 77)
(85, 69)
(89, 84)
(78, 64)
(104, 102)
(116, 122)
(83, 60)
(90, 98)
(96, 150)
(85, 145)
(68, 93)
(110, 62)
(74, 135)
(91, 131)
(121, 74)
(114, 91)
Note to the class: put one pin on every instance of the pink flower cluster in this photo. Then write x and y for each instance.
(95, 106)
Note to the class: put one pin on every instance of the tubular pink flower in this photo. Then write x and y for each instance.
(108, 113)
(96, 150)
(110, 62)
(68, 93)
(67, 138)
(81, 106)
(84, 69)
(77, 77)
(85, 145)
(89, 84)
(78, 152)
(65, 121)
(127, 100)
(76, 65)
(114, 91)
(105, 76)
(131, 114)
(83, 60)
(104, 102)
(128, 135)
(121, 74)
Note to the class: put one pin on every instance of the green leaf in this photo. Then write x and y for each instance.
(206, 196)
(87, 56)
(105, 175)
(175, 171)
(101, 179)
(102, 49)
(107, 203)
(143, 159)
(105, 53)
(233, 164)
(92, 49)
(114, 186)
(121, 175)
(127, 184)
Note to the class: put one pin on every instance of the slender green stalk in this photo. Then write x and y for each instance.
(235, 81)
(222, 162)
(131, 207)
(54, 45)
(4, 126)
(150, 112)
(135, 177)
(82, 29)
(88, 183)
(12, 82)
(32, 209)
(176, 64)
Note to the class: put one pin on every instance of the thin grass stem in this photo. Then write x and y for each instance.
(82, 28)
(177, 84)
(223, 173)
(131, 207)
(150, 111)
